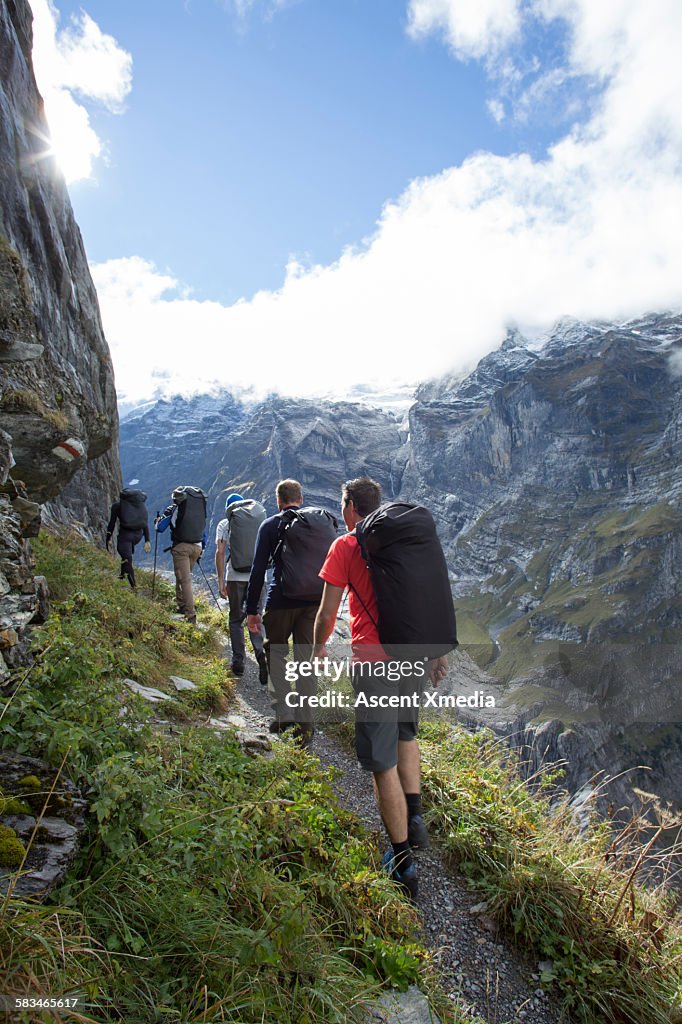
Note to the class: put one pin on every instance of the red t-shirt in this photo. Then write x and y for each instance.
(345, 567)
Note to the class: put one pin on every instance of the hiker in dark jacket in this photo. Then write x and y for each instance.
(283, 618)
(128, 536)
(186, 518)
(386, 743)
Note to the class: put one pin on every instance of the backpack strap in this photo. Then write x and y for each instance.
(351, 587)
(284, 524)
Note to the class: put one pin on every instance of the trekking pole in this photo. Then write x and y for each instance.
(156, 544)
(210, 588)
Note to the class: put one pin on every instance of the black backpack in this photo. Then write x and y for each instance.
(191, 518)
(132, 511)
(406, 562)
(305, 536)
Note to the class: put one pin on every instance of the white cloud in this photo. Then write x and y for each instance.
(589, 231)
(79, 61)
(267, 8)
(676, 363)
(497, 111)
(472, 28)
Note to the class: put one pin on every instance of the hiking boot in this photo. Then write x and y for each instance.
(406, 879)
(417, 836)
(237, 668)
(262, 668)
(192, 619)
(278, 726)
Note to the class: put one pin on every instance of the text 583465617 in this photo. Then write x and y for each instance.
(44, 1002)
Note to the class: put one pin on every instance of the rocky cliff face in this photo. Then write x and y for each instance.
(556, 476)
(57, 400)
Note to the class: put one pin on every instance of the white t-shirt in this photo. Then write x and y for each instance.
(231, 575)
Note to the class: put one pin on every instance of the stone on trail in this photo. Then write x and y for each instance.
(411, 1007)
(182, 684)
(146, 692)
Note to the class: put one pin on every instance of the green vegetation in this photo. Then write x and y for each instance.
(613, 949)
(20, 400)
(616, 558)
(11, 848)
(210, 886)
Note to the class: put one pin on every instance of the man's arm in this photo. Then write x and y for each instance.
(220, 546)
(439, 669)
(113, 518)
(261, 557)
(326, 617)
(163, 521)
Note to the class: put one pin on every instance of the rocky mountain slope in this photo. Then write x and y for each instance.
(556, 479)
(216, 443)
(554, 475)
(57, 399)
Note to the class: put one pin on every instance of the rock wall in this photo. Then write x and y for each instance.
(57, 397)
(59, 436)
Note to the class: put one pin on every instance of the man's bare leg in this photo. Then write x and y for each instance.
(391, 801)
(409, 766)
(393, 808)
(409, 772)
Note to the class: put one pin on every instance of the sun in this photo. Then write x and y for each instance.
(72, 141)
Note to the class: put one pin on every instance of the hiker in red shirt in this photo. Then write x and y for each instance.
(386, 742)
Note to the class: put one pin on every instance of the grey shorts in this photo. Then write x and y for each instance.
(386, 711)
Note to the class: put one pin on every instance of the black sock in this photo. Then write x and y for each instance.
(402, 855)
(414, 804)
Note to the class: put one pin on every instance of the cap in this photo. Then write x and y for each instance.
(232, 498)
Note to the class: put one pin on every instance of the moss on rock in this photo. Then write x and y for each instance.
(11, 805)
(30, 782)
(11, 848)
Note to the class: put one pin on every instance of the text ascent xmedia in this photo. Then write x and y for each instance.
(353, 701)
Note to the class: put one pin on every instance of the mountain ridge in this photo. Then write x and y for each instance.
(554, 477)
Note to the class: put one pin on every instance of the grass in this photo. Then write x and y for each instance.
(613, 948)
(210, 886)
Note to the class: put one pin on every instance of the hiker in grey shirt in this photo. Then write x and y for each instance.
(235, 542)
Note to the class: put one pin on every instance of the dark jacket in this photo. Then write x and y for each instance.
(114, 518)
(266, 543)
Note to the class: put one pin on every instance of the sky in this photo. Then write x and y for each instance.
(310, 195)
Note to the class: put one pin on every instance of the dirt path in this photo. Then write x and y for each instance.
(483, 975)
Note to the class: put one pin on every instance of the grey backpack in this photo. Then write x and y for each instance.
(191, 517)
(244, 518)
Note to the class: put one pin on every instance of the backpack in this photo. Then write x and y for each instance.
(305, 536)
(410, 578)
(132, 511)
(191, 518)
(244, 518)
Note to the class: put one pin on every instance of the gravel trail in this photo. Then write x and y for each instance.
(484, 976)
